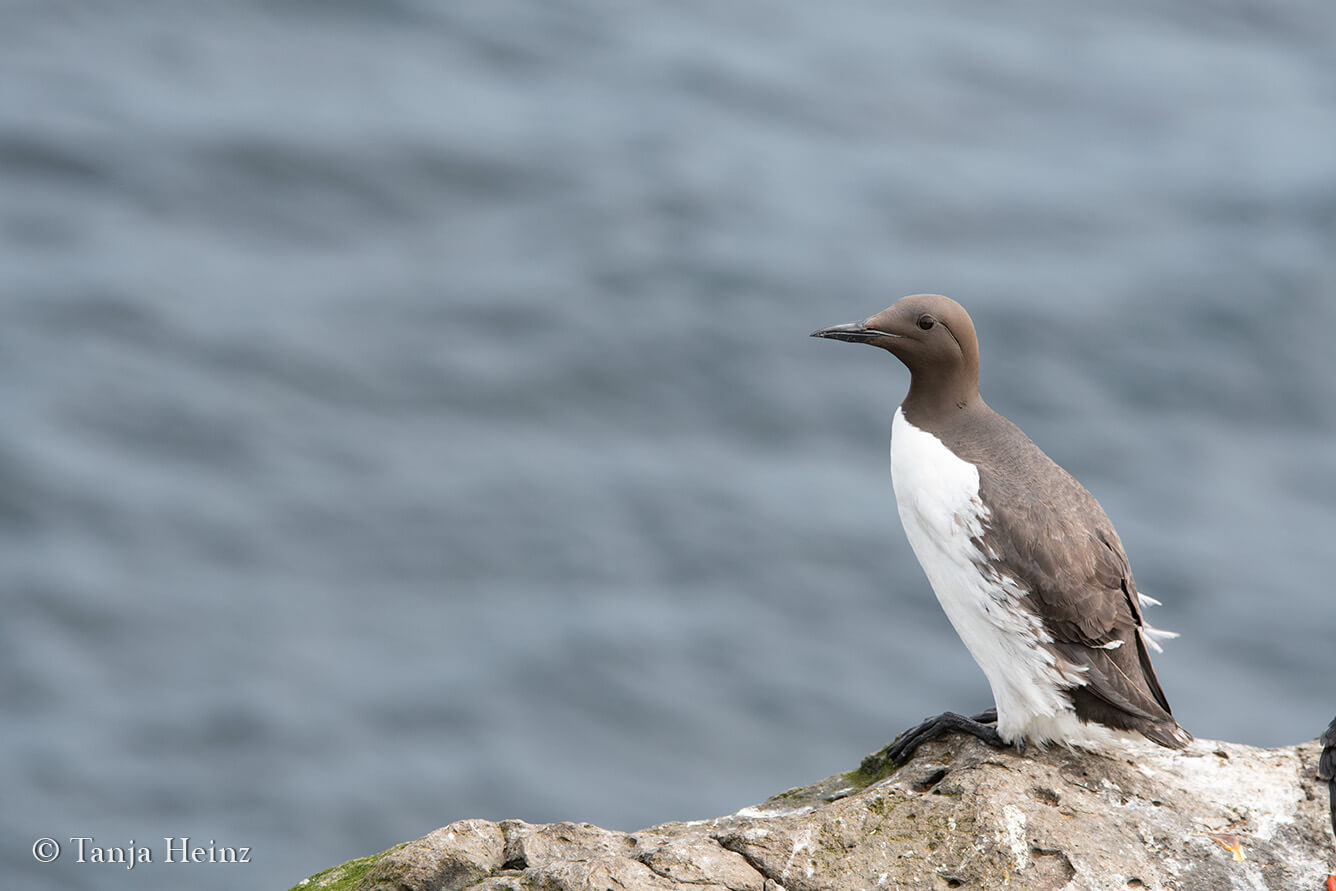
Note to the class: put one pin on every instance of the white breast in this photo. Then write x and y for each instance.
(938, 497)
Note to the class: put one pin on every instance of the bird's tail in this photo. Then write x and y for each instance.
(1166, 733)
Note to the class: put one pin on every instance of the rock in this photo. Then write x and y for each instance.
(456, 856)
(959, 815)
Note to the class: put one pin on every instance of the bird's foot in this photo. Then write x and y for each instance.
(982, 725)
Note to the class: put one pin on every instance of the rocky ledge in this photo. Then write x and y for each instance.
(959, 815)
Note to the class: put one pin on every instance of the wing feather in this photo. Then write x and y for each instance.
(1049, 535)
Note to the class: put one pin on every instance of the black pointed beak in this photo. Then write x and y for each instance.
(854, 332)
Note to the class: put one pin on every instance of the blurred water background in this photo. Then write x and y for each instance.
(409, 415)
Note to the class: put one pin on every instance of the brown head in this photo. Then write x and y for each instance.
(934, 337)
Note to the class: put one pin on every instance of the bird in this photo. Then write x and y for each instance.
(1023, 560)
(1326, 768)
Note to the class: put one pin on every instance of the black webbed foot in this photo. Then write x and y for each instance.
(981, 725)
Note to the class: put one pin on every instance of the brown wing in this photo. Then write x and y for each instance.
(1051, 536)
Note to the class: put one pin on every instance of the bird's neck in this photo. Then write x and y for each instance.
(941, 402)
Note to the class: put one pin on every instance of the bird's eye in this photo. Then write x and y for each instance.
(925, 322)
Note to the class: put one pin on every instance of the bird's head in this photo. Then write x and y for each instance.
(932, 335)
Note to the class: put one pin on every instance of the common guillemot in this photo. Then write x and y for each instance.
(1022, 558)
